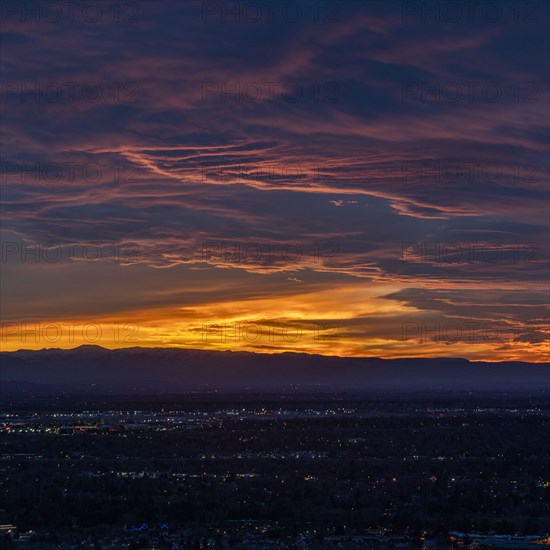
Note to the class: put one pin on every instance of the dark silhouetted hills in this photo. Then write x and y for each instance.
(92, 369)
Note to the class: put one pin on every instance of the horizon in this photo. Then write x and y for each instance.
(97, 371)
(160, 348)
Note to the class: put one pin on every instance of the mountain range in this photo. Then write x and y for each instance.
(96, 370)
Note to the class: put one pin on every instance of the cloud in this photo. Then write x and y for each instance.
(272, 158)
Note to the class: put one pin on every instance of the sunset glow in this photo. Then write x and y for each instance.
(319, 191)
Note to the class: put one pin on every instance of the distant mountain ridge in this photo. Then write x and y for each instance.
(157, 370)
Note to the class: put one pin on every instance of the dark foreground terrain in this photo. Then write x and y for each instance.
(277, 471)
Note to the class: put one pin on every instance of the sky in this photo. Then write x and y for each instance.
(343, 178)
